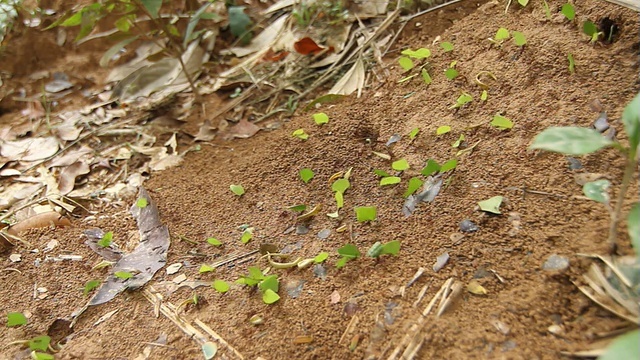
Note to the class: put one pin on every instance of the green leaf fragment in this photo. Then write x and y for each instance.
(237, 189)
(40, 343)
(484, 95)
(597, 190)
(90, 285)
(390, 180)
(400, 165)
(418, 54)
(568, 11)
(523, 2)
(247, 235)
(451, 73)
(306, 175)
(633, 226)
(270, 283)
(572, 63)
(446, 46)
(209, 350)
(406, 63)
(443, 129)
(570, 140)
(502, 34)
(340, 185)
(458, 142)
(623, 347)
(501, 122)
(425, 76)
(298, 208)
(320, 258)
(414, 133)
(491, 205)
(519, 38)
(238, 20)
(381, 173)
(142, 203)
(300, 134)
(270, 297)
(431, 167)
(124, 275)
(339, 199)
(152, 6)
(321, 118)
(349, 251)
(589, 28)
(205, 269)
(391, 248)
(631, 121)
(449, 165)
(366, 213)
(16, 319)
(106, 240)
(414, 184)
(42, 356)
(214, 241)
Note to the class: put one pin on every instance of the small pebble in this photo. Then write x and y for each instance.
(467, 225)
(556, 262)
(294, 288)
(301, 230)
(320, 271)
(324, 233)
(574, 164)
(601, 125)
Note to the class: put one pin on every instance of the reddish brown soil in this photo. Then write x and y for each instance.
(534, 88)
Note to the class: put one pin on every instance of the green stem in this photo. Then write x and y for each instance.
(615, 215)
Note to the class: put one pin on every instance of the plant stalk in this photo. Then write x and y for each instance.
(615, 215)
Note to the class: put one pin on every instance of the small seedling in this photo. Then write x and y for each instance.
(377, 249)
(400, 165)
(501, 122)
(220, 286)
(441, 130)
(572, 64)
(321, 118)
(214, 241)
(568, 11)
(16, 319)
(106, 239)
(582, 141)
(348, 252)
(366, 213)
(89, 286)
(237, 189)
(491, 205)
(306, 175)
(300, 134)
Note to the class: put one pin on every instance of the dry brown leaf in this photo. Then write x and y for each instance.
(474, 287)
(39, 221)
(69, 174)
(351, 81)
(206, 132)
(243, 130)
(31, 149)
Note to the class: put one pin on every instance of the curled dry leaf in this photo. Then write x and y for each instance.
(30, 149)
(243, 130)
(70, 173)
(50, 218)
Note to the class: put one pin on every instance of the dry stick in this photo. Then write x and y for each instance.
(349, 328)
(615, 215)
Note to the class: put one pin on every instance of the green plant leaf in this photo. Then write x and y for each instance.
(247, 235)
(320, 258)
(142, 203)
(255, 273)
(300, 134)
(547, 10)
(570, 140)
(342, 262)
(425, 76)
(421, 53)
(152, 6)
(623, 347)
(349, 251)
(340, 185)
(209, 350)
(220, 286)
(390, 180)
(633, 226)
(597, 190)
(431, 167)
(502, 34)
(446, 46)
(205, 269)
(73, 20)
(214, 241)
(106, 239)
(42, 356)
(589, 28)
(306, 175)
(270, 283)
(501, 122)
(237, 189)
(463, 99)
(414, 133)
(391, 248)
(90, 285)
(366, 213)
(400, 165)
(456, 144)
(414, 185)
(375, 250)
(443, 129)
(519, 38)
(40, 343)
(491, 205)
(572, 63)
(406, 63)
(568, 11)
(381, 173)
(631, 121)
(484, 95)
(238, 20)
(16, 319)
(451, 73)
(449, 165)
(124, 275)
(269, 297)
(523, 2)
(339, 199)
(298, 208)
(124, 23)
(321, 118)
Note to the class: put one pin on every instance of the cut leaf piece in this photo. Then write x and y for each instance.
(570, 140)
(501, 122)
(366, 213)
(491, 205)
(270, 297)
(598, 191)
(400, 165)
(15, 319)
(443, 129)
(237, 189)
(214, 241)
(418, 54)
(406, 63)
(449, 165)
(205, 269)
(321, 118)
(306, 175)
(390, 180)
(446, 46)
(502, 34)
(220, 286)
(431, 167)
(414, 185)
(519, 38)
(633, 226)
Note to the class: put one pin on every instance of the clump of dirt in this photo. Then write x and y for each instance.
(533, 87)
